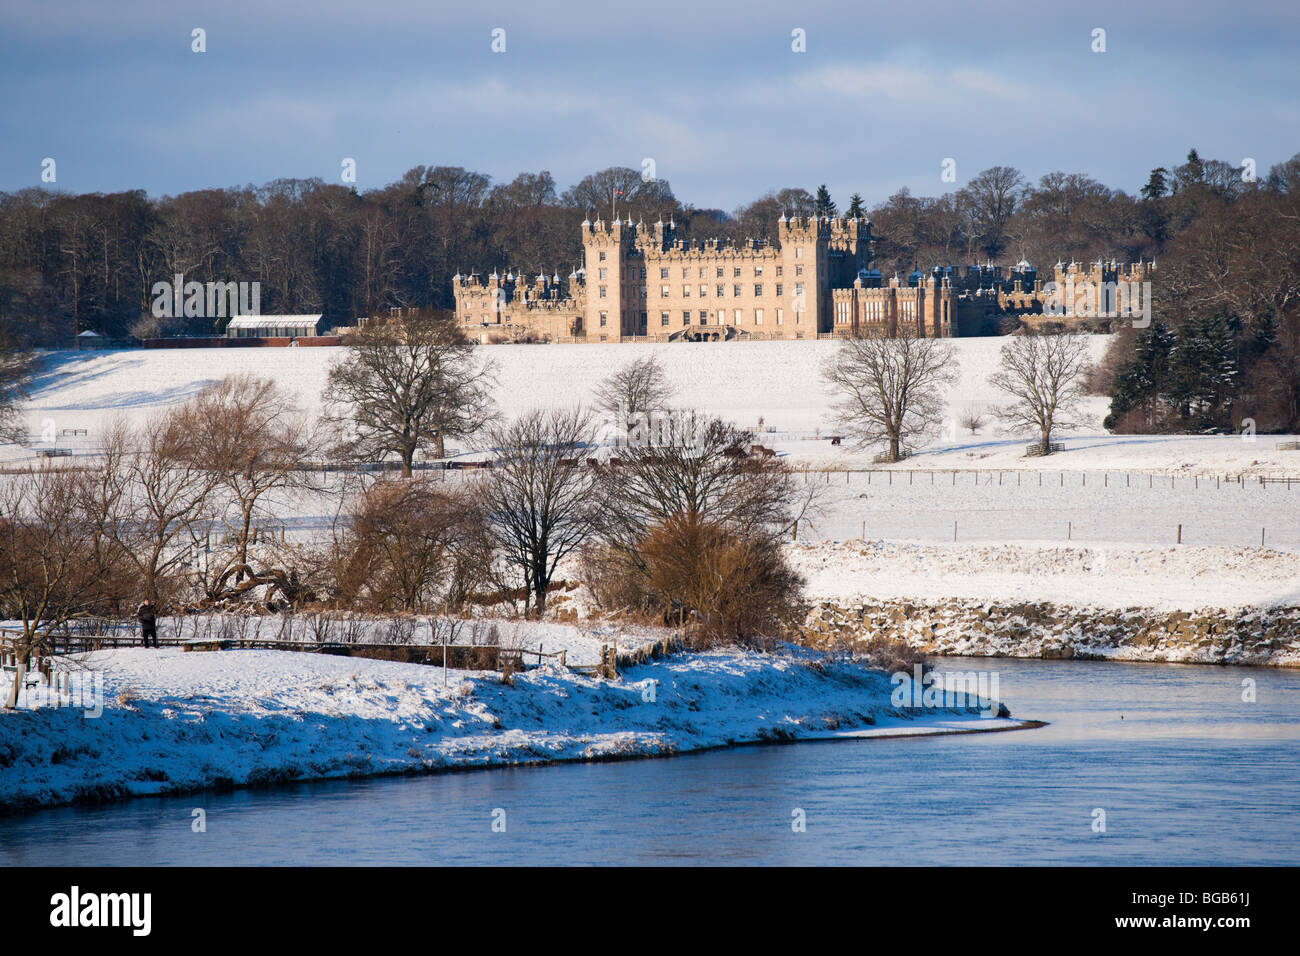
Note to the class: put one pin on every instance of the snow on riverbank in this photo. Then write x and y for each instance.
(176, 721)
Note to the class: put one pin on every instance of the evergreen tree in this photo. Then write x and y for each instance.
(1205, 372)
(1141, 380)
(824, 205)
(855, 210)
(1157, 184)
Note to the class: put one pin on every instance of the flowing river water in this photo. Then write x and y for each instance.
(1184, 770)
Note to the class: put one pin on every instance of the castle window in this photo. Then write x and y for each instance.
(602, 291)
(758, 290)
(704, 291)
(602, 256)
(798, 288)
(703, 272)
(735, 272)
(719, 272)
(735, 290)
(722, 289)
(663, 290)
(779, 288)
(778, 272)
(686, 318)
(798, 252)
(686, 273)
(758, 271)
(642, 273)
(663, 318)
(604, 319)
(643, 292)
(758, 316)
(737, 317)
(663, 273)
(686, 292)
(780, 316)
(604, 273)
(798, 270)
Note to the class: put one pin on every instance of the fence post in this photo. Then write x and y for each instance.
(1180, 534)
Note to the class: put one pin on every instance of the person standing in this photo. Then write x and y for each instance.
(148, 619)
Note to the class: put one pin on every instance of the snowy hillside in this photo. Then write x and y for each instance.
(778, 382)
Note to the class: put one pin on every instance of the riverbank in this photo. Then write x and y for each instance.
(174, 722)
(1257, 637)
(1184, 605)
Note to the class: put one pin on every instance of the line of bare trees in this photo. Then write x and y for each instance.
(680, 526)
(892, 390)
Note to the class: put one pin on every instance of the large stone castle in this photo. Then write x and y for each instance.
(646, 284)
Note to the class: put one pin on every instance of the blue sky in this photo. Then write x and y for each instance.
(712, 91)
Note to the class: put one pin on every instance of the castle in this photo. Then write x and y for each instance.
(646, 284)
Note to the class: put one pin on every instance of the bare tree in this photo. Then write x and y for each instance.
(991, 198)
(698, 468)
(690, 525)
(406, 384)
(412, 546)
(891, 389)
(974, 419)
(248, 431)
(1043, 373)
(151, 497)
(47, 573)
(637, 387)
(541, 494)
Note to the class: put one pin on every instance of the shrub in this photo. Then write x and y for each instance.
(726, 586)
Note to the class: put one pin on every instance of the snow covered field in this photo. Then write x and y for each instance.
(1112, 505)
(174, 721)
(779, 382)
(1163, 579)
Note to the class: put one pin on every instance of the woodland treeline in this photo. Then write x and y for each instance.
(1225, 344)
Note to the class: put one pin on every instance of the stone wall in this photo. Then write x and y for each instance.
(1256, 636)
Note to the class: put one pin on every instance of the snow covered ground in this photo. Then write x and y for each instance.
(777, 382)
(175, 721)
(1164, 579)
(1112, 502)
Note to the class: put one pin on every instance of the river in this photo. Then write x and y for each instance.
(1185, 770)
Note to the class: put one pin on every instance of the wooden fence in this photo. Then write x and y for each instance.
(491, 657)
